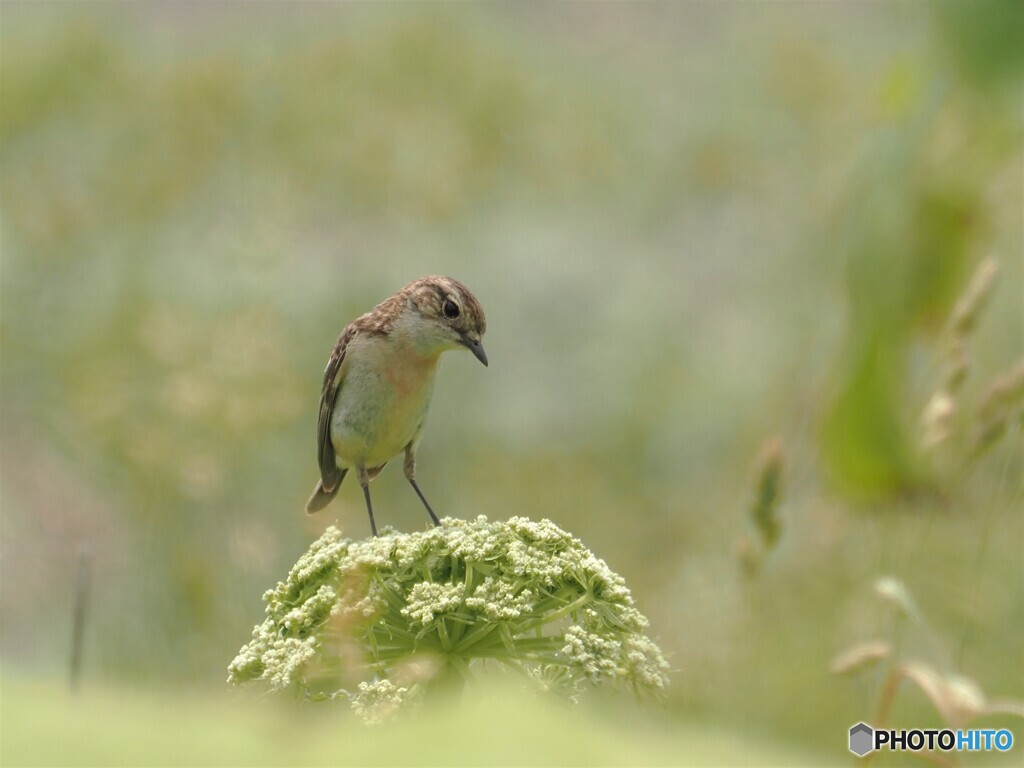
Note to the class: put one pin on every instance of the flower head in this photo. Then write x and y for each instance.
(521, 593)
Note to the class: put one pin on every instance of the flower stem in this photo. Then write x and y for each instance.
(572, 607)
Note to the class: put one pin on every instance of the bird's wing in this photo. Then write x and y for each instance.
(333, 376)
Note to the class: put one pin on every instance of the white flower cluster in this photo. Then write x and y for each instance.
(500, 600)
(275, 660)
(429, 599)
(377, 701)
(321, 558)
(287, 640)
(644, 662)
(521, 592)
(594, 655)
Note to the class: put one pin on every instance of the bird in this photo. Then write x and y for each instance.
(379, 380)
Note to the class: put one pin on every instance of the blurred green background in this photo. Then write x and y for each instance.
(693, 227)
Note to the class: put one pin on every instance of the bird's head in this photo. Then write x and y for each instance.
(445, 315)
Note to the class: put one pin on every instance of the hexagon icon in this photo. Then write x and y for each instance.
(862, 739)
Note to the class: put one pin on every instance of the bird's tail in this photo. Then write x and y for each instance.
(322, 498)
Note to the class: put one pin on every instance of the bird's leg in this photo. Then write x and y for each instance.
(410, 475)
(364, 480)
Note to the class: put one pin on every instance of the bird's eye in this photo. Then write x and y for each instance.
(450, 309)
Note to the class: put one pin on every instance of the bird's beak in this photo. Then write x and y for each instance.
(474, 346)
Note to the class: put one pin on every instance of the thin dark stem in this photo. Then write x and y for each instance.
(83, 579)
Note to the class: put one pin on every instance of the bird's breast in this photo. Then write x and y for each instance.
(382, 402)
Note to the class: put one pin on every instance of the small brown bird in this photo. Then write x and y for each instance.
(379, 380)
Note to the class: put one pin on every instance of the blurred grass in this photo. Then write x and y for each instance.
(502, 726)
(691, 225)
